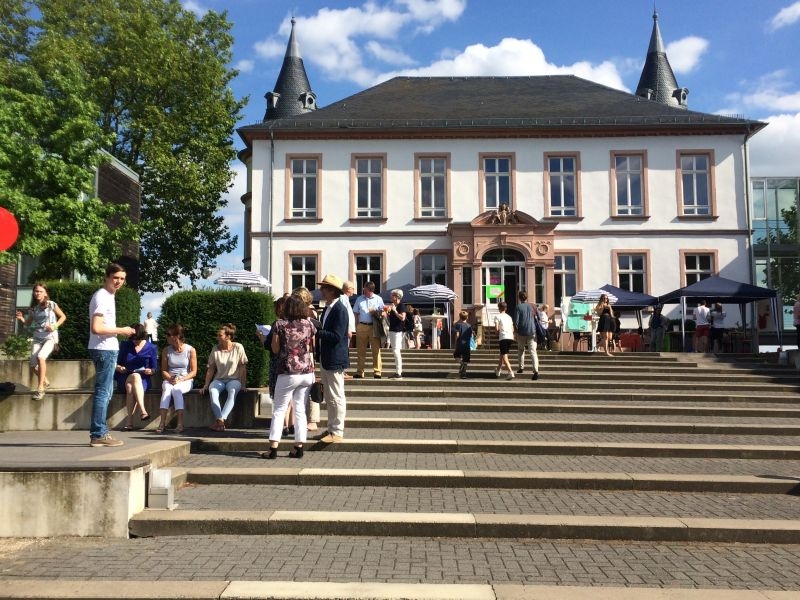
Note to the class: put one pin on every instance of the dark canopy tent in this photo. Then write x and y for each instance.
(723, 290)
(628, 299)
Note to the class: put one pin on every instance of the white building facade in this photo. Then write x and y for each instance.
(547, 184)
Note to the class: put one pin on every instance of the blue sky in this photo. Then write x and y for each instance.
(735, 56)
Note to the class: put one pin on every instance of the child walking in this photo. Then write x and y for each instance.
(463, 331)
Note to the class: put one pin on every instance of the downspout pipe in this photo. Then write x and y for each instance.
(750, 251)
(271, 200)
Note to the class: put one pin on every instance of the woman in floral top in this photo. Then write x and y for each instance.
(293, 342)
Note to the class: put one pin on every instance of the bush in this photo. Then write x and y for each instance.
(17, 346)
(73, 298)
(203, 312)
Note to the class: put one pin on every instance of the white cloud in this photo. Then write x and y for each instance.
(786, 16)
(684, 54)
(195, 7)
(772, 92)
(429, 14)
(511, 57)
(388, 55)
(244, 65)
(775, 150)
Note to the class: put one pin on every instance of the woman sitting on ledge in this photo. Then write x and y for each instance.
(227, 371)
(136, 362)
(178, 370)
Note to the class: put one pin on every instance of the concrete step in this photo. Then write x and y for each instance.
(516, 480)
(463, 525)
(257, 443)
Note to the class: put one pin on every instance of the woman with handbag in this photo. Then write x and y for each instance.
(293, 342)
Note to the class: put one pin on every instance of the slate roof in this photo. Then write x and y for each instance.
(657, 75)
(292, 83)
(524, 103)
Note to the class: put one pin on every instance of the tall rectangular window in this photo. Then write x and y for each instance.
(697, 267)
(496, 181)
(368, 267)
(562, 182)
(631, 272)
(565, 276)
(369, 187)
(466, 285)
(695, 184)
(304, 188)
(432, 173)
(629, 184)
(303, 271)
(432, 269)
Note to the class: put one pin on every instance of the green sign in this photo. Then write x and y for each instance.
(495, 291)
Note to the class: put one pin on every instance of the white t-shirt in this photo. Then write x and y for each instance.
(701, 315)
(506, 324)
(103, 304)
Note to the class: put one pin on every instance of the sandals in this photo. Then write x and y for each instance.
(145, 416)
(219, 425)
(179, 429)
(159, 430)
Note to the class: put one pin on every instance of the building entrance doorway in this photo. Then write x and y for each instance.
(503, 276)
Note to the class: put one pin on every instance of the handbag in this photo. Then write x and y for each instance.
(317, 392)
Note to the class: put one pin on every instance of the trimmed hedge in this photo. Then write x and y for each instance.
(203, 312)
(73, 298)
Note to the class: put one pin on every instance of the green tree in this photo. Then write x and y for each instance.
(154, 79)
(49, 143)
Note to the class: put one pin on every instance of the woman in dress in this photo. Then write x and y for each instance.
(136, 362)
(417, 329)
(605, 327)
(293, 342)
(178, 370)
(44, 318)
(226, 372)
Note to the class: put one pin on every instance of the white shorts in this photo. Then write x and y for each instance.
(41, 349)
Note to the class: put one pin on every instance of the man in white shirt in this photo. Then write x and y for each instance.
(702, 328)
(368, 306)
(103, 348)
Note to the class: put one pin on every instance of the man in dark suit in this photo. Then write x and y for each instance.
(334, 343)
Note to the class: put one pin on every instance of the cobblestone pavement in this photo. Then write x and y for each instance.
(487, 501)
(402, 560)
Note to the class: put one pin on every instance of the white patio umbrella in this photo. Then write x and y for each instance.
(434, 291)
(593, 296)
(243, 278)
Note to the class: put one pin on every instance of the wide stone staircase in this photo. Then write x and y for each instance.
(672, 470)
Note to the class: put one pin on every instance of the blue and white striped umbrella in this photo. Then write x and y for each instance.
(243, 278)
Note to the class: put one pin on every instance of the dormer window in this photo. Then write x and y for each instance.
(647, 93)
(272, 99)
(681, 95)
(308, 100)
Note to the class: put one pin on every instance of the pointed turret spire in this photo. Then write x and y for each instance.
(292, 95)
(658, 82)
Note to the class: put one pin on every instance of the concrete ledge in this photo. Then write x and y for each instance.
(46, 589)
(665, 482)
(66, 410)
(319, 523)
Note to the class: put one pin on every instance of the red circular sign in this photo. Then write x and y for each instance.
(9, 230)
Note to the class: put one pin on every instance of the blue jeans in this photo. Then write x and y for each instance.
(105, 363)
(215, 388)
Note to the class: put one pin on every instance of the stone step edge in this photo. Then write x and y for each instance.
(535, 392)
(446, 423)
(454, 478)
(49, 589)
(152, 523)
(512, 447)
(550, 407)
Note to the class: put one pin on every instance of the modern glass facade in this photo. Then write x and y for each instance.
(776, 245)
